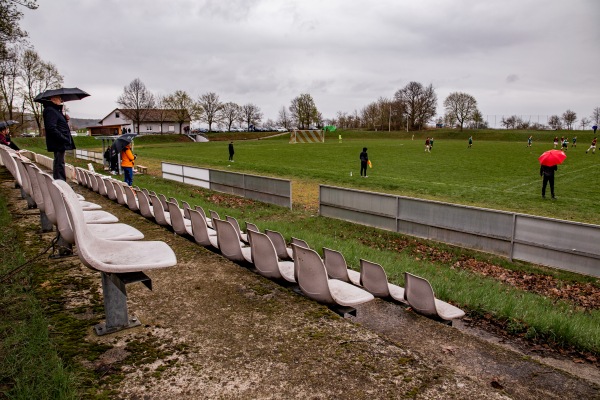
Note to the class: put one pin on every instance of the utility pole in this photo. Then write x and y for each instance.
(390, 119)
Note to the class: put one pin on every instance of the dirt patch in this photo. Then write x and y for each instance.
(214, 329)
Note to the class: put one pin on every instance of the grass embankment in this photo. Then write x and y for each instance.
(498, 172)
(30, 366)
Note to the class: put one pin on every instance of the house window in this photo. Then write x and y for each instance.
(148, 127)
(171, 128)
(117, 115)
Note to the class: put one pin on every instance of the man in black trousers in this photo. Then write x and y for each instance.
(548, 174)
(58, 135)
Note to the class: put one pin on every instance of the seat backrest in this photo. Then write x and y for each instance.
(36, 192)
(110, 188)
(174, 200)
(101, 184)
(213, 214)
(48, 204)
(11, 164)
(311, 274)
(186, 209)
(251, 227)
(144, 204)
(131, 198)
(25, 184)
(264, 255)
(177, 221)
(235, 225)
(60, 211)
(88, 180)
(118, 187)
(228, 240)
(72, 218)
(201, 211)
(159, 211)
(163, 200)
(374, 279)
(299, 242)
(279, 243)
(419, 295)
(199, 228)
(335, 264)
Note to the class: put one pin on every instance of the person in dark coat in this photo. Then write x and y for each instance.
(231, 152)
(548, 174)
(364, 161)
(58, 135)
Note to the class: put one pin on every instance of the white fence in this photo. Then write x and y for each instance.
(561, 244)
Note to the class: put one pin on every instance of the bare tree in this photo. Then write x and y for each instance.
(211, 108)
(182, 106)
(284, 118)
(304, 111)
(370, 116)
(419, 102)
(596, 116)
(37, 76)
(161, 113)
(569, 117)
(462, 106)
(477, 119)
(555, 122)
(230, 112)
(9, 79)
(10, 15)
(138, 100)
(251, 115)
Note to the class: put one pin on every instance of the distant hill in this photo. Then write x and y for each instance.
(81, 123)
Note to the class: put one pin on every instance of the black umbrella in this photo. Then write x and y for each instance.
(66, 94)
(4, 124)
(122, 141)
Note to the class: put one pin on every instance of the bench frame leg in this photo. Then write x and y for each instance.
(115, 301)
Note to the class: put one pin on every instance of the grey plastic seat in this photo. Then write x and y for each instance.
(203, 235)
(374, 280)
(213, 215)
(110, 188)
(251, 227)
(283, 252)
(163, 201)
(161, 216)
(299, 242)
(243, 236)
(419, 295)
(336, 267)
(112, 231)
(201, 211)
(180, 225)
(144, 205)
(265, 258)
(314, 283)
(119, 192)
(119, 263)
(101, 185)
(229, 242)
(131, 198)
(186, 209)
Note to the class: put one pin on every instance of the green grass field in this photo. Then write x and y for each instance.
(498, 174)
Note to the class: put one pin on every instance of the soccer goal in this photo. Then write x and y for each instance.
(316, 136)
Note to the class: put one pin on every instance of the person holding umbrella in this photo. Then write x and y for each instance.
(5, 134)
(549, 161)
(58, 133)
(127, 161)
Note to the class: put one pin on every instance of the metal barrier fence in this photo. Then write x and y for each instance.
(94, 156)
(556, 243)
(260, 188)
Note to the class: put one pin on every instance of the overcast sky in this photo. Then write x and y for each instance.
(524, 57)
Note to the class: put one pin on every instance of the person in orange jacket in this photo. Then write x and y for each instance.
(127, 161)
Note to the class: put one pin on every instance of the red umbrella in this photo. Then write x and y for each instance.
(552, 157)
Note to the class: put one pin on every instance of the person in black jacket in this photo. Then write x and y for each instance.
(548, 174)
(231, 151)
(364, 160)
(58, 135)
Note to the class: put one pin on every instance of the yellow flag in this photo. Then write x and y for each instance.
(370, 164)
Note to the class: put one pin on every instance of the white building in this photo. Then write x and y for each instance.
(151, 121)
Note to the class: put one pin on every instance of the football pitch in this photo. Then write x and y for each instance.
(496, 174)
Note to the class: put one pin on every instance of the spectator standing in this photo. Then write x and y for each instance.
(231, 152)
(364, 161)
(595, 128)
(58, 135)
(127, 162)
(548, 174)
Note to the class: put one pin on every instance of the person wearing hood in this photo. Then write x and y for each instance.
(127, 162)
(58, 135)
(5, 137)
